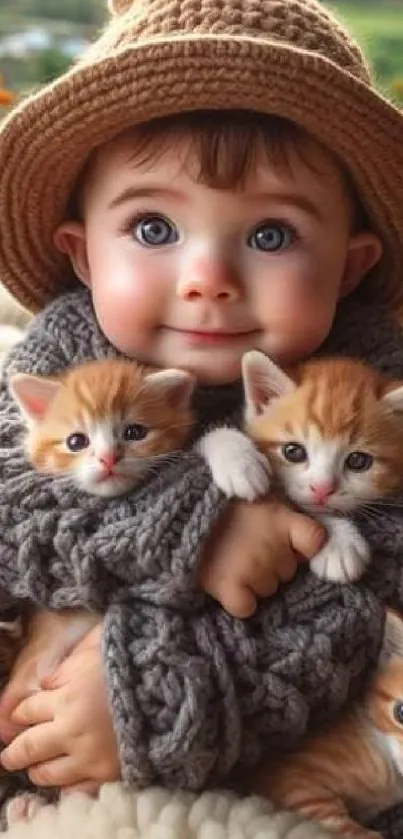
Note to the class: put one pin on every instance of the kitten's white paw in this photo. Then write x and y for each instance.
(345, 555)
(22, 808)
(238, 468)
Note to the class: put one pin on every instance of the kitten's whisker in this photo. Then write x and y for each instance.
(393, 505)
(375, 515)
(369, 506)
(150, 457)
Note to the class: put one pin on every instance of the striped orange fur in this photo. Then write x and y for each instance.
(354, 768)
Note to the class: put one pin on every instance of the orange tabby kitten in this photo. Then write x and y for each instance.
(355, 768)
(104, 423)
(333, 434)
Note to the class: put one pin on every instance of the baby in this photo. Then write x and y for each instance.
(206, 181)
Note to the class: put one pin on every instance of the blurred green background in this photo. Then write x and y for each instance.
(40, 38)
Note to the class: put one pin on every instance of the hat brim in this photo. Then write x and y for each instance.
(47, 139)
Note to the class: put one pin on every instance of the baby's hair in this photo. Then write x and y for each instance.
(226, 144)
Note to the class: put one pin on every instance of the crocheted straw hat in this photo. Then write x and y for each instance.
(159, 57)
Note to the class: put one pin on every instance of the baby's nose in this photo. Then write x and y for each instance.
(209, 278)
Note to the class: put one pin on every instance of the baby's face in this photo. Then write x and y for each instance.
(183, 275)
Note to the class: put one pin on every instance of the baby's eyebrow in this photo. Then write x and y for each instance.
(132, 193)
(290, 199)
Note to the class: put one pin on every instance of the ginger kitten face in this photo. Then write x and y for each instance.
(104, 424)
(333, 430)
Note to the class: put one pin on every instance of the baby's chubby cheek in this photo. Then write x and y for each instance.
(124, 321)
(297, 335)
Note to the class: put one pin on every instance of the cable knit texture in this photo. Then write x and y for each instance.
(194, 693)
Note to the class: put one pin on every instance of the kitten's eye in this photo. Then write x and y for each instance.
(359, 462)
(77, 442)
(294, 453)
(155, 231)
(398, 711)
(134, 432)
(271, 236)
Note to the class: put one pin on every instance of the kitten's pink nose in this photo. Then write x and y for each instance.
(322, 492)
(109, 460)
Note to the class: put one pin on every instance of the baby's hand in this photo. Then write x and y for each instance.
(253, 549)
(67, 738)
(44, 631)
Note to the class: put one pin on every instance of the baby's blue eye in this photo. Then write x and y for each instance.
(271, 236)
(155, 231)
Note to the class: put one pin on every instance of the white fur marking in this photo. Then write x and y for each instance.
(237, 466)
(345, 555)
(395, 749)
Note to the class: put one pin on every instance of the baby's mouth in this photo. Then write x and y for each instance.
(215, 337)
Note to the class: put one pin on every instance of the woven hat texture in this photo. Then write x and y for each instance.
(158, 57)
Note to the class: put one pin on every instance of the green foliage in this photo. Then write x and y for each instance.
(378, 26)
(48, 65)
(89, 12)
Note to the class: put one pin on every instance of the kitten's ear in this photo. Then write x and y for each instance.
(33, 395)
(263, 381)
(393, 399)
(176, 386)
(392, 645)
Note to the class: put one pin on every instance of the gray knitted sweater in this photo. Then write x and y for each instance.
(194, 693)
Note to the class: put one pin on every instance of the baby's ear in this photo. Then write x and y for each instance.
(175, 386)
(70, 238)
(392, 645)
(33, 395)
(263, 381)
(393, 398)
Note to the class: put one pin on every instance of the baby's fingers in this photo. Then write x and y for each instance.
(306, 535)
(16, 691)
(234, 596)
(60, 772)
(35, 745)
(238, 600)
(35, 709)
(285, 570)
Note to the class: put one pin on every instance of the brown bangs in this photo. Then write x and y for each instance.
(224, 143)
